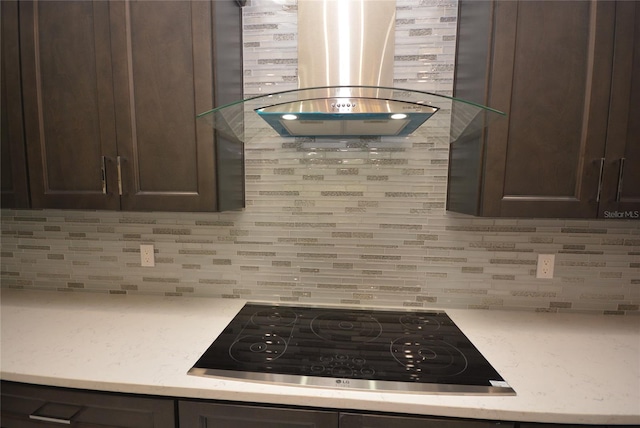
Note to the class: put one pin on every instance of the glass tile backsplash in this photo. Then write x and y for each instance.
(360, 222)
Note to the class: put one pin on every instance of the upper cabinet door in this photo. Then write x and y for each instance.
(68, 103)
(111, 94)
(620, 193)
(547, 65)
(15, 190)
(552, 68)
(163, 77)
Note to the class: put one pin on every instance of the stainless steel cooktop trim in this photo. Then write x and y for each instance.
(344, 306)
(379, 386)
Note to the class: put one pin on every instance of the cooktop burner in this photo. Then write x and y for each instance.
(350, 348)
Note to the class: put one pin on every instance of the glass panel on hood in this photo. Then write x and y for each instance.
(327, 111)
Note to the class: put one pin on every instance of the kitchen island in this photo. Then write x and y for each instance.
(565, 368)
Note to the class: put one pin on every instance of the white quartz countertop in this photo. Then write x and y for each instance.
(565, 368)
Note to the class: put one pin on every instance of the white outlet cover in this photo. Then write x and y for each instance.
(147, 257)
(545, 266)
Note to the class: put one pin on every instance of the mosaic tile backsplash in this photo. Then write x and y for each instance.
(360, 222)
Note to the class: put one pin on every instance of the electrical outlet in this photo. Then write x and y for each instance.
(147, 257)
(545, 265)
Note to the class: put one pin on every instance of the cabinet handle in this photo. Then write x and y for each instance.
(56, 413)
(620, 175)
(103, 172)
(119, 163)
(600, 179)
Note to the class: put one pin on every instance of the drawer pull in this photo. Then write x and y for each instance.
(119, 163)
(620, 176)
(56, 413)
(600, 179)
(103, 172)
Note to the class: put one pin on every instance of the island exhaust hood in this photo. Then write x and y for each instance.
(346, 52)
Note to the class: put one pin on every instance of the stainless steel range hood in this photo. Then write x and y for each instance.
(346, 43)
(345, 116)
(346, 54)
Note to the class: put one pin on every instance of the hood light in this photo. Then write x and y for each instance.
(399, 116)
(289, 116)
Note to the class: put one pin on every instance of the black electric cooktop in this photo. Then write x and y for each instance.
(350, 348)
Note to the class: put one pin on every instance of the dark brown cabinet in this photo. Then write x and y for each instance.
(111, 90)
(355, 420)
(26, 406)
(195, 414)
(14, 187)
(68, 102)
(201, 415)
(566, 74)
(620, 191)
(537, 425)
